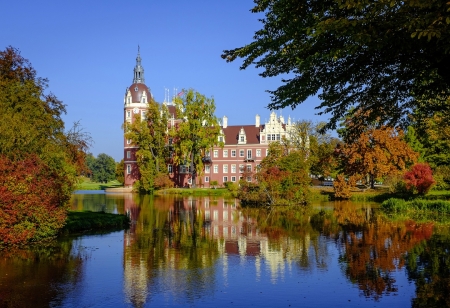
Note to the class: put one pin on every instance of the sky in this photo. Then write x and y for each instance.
(87, 50)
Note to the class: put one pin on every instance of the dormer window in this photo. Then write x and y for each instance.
(242, 137)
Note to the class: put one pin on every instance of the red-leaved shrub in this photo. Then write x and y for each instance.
(33, 201)
(420, 177)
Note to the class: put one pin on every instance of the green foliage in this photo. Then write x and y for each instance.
(104, 169)
(442, 177)
(196, 133)
(214, 183)
(396, 184)
(150, 135)
(120, 167)
(399, 205)
(282, 179)
(384, 57)
(318, 147)
(413, 141)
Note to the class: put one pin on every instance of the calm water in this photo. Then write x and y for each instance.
(205, 252)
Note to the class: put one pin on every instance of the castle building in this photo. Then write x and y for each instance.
(245, 146)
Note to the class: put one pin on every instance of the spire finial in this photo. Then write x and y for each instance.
(138, 69)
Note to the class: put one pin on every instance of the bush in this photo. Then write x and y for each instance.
(163, 181)
(214, 183)
(442, 177)
(33, 201)
(396, 184)
(341, 188)
(420, 177)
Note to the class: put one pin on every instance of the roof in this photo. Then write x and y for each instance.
(251, 132)
(136, 90)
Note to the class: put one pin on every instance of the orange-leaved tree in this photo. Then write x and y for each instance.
(375, 153)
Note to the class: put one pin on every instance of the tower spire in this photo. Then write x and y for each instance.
(138, 69)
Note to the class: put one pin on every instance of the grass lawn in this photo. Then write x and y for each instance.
(86, 184)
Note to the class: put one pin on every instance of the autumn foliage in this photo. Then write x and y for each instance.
(420, 177)
(377, 152)
(32, 201)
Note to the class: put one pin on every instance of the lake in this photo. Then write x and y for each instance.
(204, 252)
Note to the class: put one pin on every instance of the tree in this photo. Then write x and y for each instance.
(420, 177)
(282, 179)
(39, 158)
(104, 169)
(317, 146)
(151, 136)
(386, 57)
(197, 132)
(120, 167)
(377, 152)
(33, 200)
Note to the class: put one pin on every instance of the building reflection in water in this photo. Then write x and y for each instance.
(175, 243)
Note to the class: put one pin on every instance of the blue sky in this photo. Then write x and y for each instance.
(87, 50)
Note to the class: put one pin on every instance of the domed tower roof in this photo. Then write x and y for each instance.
(137, 91)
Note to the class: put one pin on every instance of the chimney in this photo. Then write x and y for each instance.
(257, 118)
(225, 122)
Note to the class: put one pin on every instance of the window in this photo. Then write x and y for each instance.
(258, 153)
(225, 153)
(278, 137)
(241, 168)
(128, 114)
(249, 168)
(128, 141)
(249, 153)
(128, 154)
(190, 181)
(267, 152)
(225, 179)
(273, 136)
(128, 169)
(233, 179)
(170, 168)
(207, 169)
(216, 169)
(249, 179)
(233, 153)
(225, 168)
(216, 153)
(206, 179)
(242, 138)
(233, 168)
(143, 115)
(241, 153)
(220, 138)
